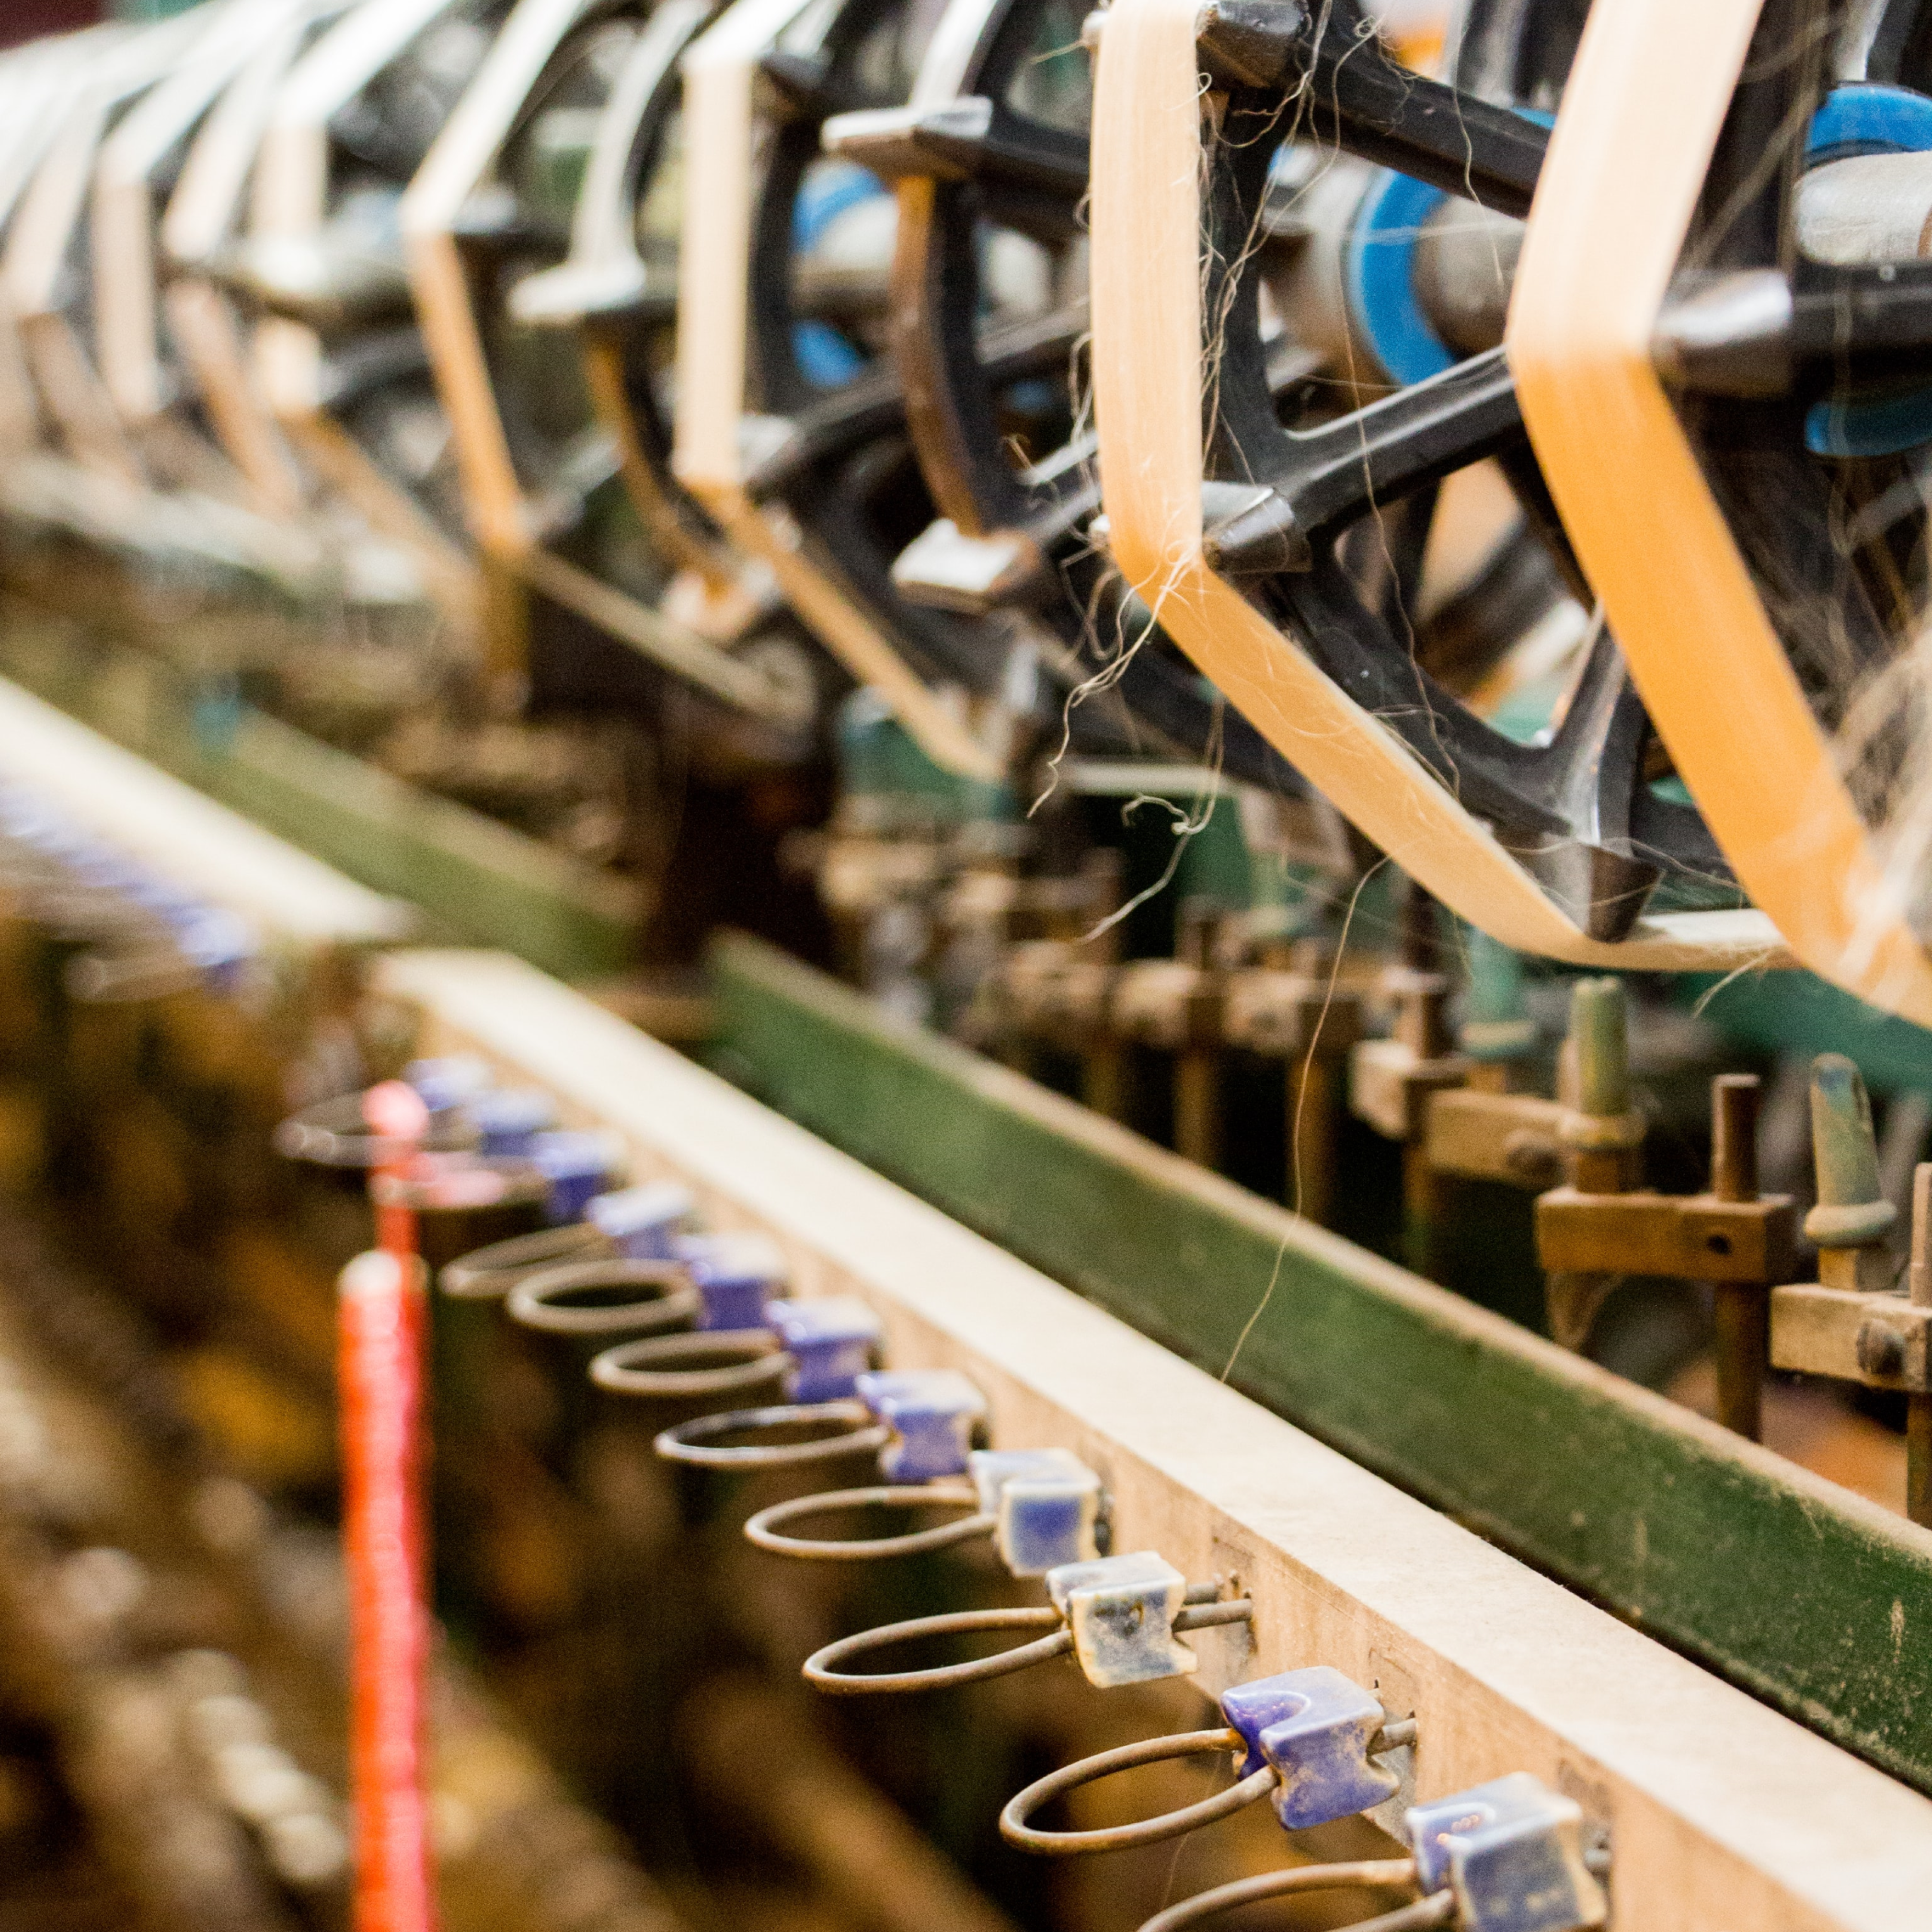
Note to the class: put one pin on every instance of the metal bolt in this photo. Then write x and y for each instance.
(1881, 1349)
(1533, 1159)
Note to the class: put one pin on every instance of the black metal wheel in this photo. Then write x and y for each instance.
(989, 320)
(1323, 503)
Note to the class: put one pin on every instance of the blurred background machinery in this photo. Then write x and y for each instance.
(615, 484)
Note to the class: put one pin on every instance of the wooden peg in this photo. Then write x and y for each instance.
(1497, 1035)
(1391, 1082)
(1292, 1007)
(1197, 1064)
(1732, 1236)
(1743, 1308)
(1919, 1404)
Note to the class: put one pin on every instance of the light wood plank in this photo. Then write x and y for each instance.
(203, 845)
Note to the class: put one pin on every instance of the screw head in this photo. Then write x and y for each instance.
(1881, 1349)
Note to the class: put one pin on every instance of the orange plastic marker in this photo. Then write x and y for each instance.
(379, 1368)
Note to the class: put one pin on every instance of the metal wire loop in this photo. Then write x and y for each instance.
(821, 1667)
(1016, 1831)
(489, 1274)
(687, 1443)
(1374, 1874)
(1015, 1828)
(629, 1369)
(669, 1301)
(762, 1529)
(333, 1133)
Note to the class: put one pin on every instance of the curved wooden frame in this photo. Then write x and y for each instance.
(41, 240)
(37, 83)
(206, 212)
(1149, 379)
(715, 591)
(291, 200)
(128, 260)
(720, 175)
(1626, 164)
(500, 511)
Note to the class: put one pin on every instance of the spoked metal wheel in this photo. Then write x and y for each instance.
(345, 367)
(494, 209)
(1325, 516)
(989, 322)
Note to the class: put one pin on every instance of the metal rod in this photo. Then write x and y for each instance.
(1918, 1407)
(1314, 1112)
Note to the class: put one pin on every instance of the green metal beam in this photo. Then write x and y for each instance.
(1797, 1013)
(1818, 1601)
(480, 882)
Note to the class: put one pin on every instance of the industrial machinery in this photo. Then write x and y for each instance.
(965, 965)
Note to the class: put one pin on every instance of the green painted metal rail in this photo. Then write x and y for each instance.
(1802, 1592)
(481, 882)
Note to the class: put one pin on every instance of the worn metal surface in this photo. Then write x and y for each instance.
(1791, 1586)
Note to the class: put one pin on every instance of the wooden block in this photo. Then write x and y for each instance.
(1390, 1088)
(1512, 1138)
(1879, 1340)
(1164, 1003)
(1271, 1011)
(1686, 1237)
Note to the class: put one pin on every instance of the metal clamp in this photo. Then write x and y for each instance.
(335, 1133)
(1506, 1856)
(1118, 1616)
(923, 1422)
(577, 1298)
(815, 1351)
(1511, 1853)
(738, 1276)
(1043, 1507)
(1310, 1739)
